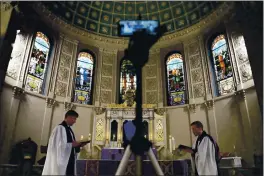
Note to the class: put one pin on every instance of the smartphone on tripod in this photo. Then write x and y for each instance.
(126, 28)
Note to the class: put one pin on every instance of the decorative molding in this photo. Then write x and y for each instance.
(241, 93)
(106, 96)
(209, 104)
(68, 106)
(151, 84)
(63, 74)
(99, 110)
(61, 89)
(65, 60)
(50, 102)
(57, 22)
(106, 82)
(18, 92)
(192, 108)
(196, 76)
(159, 111)
(198, 90)
(246, 72)
(152, 97)
(5, 6)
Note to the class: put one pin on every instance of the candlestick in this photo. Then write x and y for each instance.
(89, 136)
(170, 144)
(173, 144)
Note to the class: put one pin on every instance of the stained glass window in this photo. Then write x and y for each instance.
(127, 78)
(222, 65)
(175, 80)
(84, 78)
(38, 63)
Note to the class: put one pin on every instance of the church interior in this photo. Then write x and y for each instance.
(207, 67)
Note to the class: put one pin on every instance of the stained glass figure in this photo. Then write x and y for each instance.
(38, 63)
(175, 80)
(84, 78)
(222, 65)
(127, 79)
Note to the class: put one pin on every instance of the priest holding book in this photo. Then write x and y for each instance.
(62, 148)
(205, 151)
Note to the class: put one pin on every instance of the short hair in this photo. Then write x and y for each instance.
(71, 113)
(198, 124)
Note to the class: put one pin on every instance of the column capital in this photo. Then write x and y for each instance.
(209, 104)
(68, 106)
(18, 92)
(160, 111)
(241, 93)
(99, 110)
(50, 102)
(192, 108)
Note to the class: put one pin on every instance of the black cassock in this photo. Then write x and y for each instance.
(70, 139)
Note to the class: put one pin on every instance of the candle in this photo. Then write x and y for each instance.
(170, 144)
(81, 137)
(173, 143)
(89, 137)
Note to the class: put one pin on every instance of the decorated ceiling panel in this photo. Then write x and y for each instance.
(101, 17)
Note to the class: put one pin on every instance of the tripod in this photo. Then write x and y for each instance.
(138, 53)
(125, 159)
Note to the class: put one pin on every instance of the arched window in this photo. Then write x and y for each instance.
(222, 66)
(84, 78)
(175, 80)
(38, 64)
(127, 78)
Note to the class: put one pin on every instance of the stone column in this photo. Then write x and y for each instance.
(119, 131)
(246, 128)
(11, 122)
(6, 45)
(210, 111)
(45, 133)
(151, 127)
(250, 18)
(107, 138)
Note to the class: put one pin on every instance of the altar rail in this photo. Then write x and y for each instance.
(11, 170)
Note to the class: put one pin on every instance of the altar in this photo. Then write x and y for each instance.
(109, 167)
(116, 154)
(108, 128)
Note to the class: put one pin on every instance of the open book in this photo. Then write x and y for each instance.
(181, 147)
(84, 141)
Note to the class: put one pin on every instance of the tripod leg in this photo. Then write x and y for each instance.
(138, 166)
(122, 166)
(155, 163)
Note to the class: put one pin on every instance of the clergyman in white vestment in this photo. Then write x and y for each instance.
(62, 148)
(205, 151)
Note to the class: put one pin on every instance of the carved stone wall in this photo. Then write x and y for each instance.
(107, 88)
(150, 80)
(16, 59)
(195, 71)
(66, 66)
(241, 56)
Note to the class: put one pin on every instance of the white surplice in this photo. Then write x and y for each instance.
(58, 153)
(205, 162)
